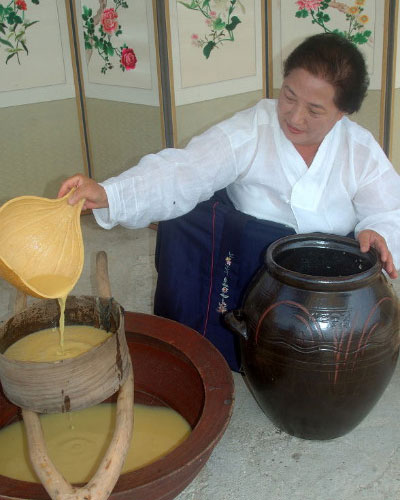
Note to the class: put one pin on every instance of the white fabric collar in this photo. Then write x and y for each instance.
(314, 177)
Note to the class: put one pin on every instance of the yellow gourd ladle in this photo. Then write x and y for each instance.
(41, 246)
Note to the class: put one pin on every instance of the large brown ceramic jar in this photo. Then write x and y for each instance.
(319, 334)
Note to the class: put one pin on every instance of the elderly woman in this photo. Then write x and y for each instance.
(298, 162)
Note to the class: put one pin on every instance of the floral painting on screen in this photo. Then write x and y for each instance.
(356, 20)
(14, 26)
(101, 31)
(219, 22)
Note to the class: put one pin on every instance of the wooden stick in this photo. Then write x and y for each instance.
(103, 482)
(102, 278)
(51, 479)
(21, 301)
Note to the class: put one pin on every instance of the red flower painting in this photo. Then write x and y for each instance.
(128, 59)
(100, 29)
(21, 4)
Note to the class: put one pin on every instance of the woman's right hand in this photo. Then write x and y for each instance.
(95, 195)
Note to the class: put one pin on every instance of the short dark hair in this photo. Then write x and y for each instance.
(339, 62)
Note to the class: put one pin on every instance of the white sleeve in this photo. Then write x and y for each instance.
(172, 182)
(377, 203)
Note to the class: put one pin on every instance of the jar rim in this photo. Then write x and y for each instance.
(334, 243)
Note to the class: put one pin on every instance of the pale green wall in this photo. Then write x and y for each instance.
(370, 113)
(40, 145)
(120, 134)
(396, 128)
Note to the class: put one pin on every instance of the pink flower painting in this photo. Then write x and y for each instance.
(109, 21)
(309, 4)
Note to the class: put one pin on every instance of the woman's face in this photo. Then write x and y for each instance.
(306, 111)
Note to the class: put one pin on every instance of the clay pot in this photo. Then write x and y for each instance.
(174, 366)
(319, 332)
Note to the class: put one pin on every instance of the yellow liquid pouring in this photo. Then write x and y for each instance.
(77, 441)
(54, 285)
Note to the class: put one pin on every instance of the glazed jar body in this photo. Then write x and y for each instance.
(320, 326)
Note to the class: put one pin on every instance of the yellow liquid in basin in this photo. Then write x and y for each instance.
(77, 441)
(44, 345)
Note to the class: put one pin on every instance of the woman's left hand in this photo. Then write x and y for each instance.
(367, 239)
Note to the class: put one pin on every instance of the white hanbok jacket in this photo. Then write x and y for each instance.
(350, 185)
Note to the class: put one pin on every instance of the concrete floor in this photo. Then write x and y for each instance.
(254, 460)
